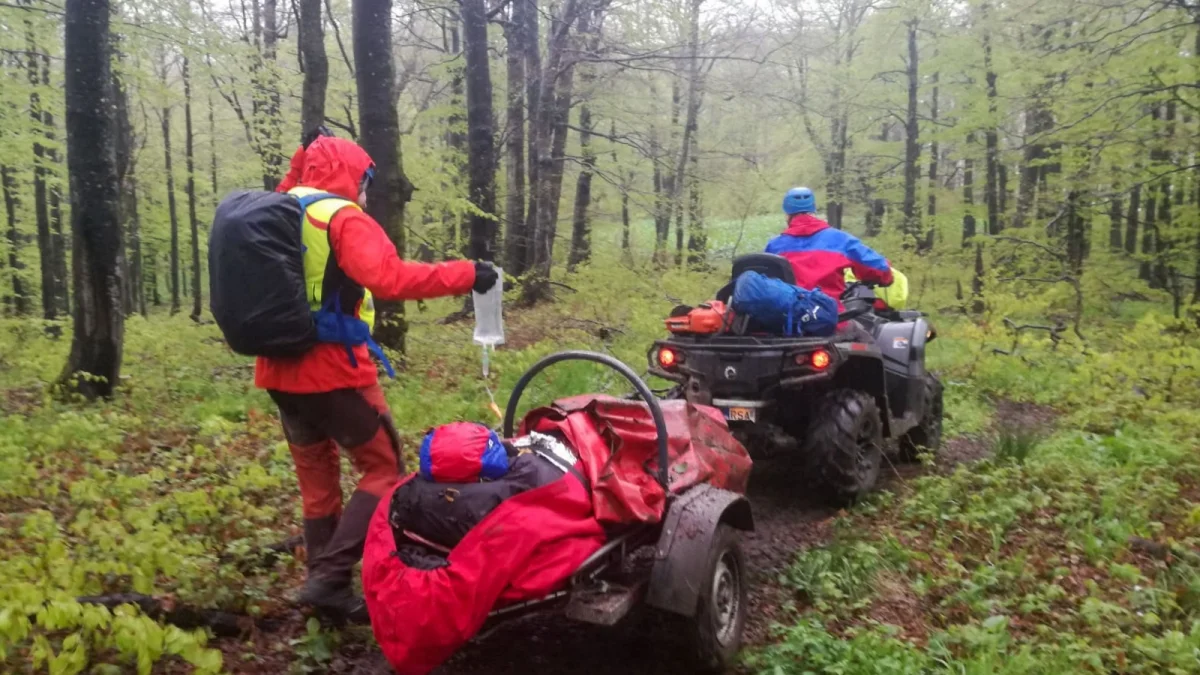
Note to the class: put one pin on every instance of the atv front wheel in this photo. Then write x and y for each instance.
(927, 435)
(844, 444)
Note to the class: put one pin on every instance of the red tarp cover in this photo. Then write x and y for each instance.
(616, 442)
(525, 549)
(531, 544)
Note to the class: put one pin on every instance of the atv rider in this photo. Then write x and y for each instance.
(330, 396)
(819, 254)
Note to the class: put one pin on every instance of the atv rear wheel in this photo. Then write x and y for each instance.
(927, 435)
(844, 444)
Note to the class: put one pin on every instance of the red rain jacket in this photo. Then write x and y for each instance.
(367, 256)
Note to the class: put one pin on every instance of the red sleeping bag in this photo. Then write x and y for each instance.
(530, 544)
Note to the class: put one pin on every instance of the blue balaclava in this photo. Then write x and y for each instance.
(799, 200)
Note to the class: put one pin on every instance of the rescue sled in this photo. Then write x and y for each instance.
(650, 514)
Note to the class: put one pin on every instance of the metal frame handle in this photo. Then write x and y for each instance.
(660, 423)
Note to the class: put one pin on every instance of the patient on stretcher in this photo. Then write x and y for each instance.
(466, 472)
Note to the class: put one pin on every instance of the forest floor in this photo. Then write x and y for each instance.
(1057, 531)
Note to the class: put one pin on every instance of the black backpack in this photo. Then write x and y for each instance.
(256, 274)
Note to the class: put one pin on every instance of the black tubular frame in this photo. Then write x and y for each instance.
(647, 396)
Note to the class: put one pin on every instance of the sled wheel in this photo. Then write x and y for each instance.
(928, 434)
(844, 444)
(715, 632)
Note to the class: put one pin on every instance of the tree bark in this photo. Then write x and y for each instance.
(991, 136)
(379, 127)
(212, 155)
(455, 139)
(1115, 216)
(690, 124)
(311, 45)
(126, 160)
(553, 102)
(912, 142)
(194, 223)
(165, 119)
(516, 237)
(17, 303)
(481, 158)
(968, 192)
(272, 120)
(1132, 219)
(934, 154)
(40, 203)
(581, 228)
(94, 365)
(62, 295)
(534, 130)
(697, 243)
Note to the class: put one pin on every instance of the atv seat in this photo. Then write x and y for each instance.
(766, 264)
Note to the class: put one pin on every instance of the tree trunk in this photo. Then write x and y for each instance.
(62, 295)
(516, 237)
(697, 243)
(189, 153)
(455, 139)
(991, 137)
(690, 122)
(977, 304)
(40, 202)
(934, 150)
(379, 127)
(1115, 215)
(912, 143)
(1076, 244)
(165, 117)
(534, 130)
(1132, 219)
(272, 120)
(1151, 210)
(310, 41)
(581, 229)
(968, 188)
(481, 158)
(552, 108)
(94, 365)
(128, 207)
(18, 302)
(212, 147)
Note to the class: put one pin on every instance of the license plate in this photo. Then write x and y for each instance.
(740, 414)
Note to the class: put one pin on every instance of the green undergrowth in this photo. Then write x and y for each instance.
(1074, 548)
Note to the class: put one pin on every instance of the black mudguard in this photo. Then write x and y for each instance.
(682, 552)
(902, 346)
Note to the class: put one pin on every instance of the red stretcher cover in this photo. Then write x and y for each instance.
(530, 545)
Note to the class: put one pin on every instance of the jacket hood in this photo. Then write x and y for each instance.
(335, 165)
(804, 225)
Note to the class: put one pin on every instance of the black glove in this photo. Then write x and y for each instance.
(485, 276)
(312, 135)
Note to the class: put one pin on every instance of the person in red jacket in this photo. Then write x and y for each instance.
(330, 396)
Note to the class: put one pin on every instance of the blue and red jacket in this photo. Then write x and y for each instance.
(819, 255)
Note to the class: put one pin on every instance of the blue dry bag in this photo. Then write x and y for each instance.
(781, 307)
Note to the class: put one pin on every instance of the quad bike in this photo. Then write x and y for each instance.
(841, 406)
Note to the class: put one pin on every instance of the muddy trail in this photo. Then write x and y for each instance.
(788, 518)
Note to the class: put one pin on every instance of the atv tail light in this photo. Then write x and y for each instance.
(820, 359)
(668, 358)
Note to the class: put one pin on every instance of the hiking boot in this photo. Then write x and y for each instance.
(317, 533)
(335, 599)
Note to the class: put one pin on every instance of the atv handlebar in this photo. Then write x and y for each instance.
(660, 423)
